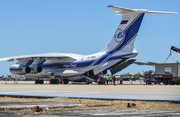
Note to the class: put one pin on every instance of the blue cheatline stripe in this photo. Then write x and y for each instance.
(60, 65)
(100, 60)
(85, 97)
(15, 69)
(97, 60)
(84, 64)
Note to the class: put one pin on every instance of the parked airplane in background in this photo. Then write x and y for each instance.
(76, 67)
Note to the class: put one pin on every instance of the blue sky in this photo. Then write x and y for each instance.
(84, 27)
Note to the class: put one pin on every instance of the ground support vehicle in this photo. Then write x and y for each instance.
(166, 79)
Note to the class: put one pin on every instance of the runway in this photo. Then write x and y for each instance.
(126, 92)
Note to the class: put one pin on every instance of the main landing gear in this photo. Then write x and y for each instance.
(54, 81)
(39, 81)
(59, 80)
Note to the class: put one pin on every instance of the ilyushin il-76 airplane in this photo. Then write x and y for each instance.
(75, 67)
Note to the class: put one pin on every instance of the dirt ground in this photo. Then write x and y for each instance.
(43, 107)
(28, 106)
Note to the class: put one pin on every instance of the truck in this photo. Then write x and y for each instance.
(166, 79)
(167, 73)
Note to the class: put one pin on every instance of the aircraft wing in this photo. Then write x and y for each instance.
(46, 56)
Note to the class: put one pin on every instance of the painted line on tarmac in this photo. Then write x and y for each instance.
(85, 97)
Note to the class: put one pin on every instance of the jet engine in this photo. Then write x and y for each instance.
(35, 69)
(18, 69)
(36, 66)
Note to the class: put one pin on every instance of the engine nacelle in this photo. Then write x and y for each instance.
(35, 69)
(18, 69)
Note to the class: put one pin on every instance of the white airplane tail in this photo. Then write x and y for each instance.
(122, 43)
(126, 33)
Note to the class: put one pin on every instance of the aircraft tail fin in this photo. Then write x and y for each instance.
(126, 33)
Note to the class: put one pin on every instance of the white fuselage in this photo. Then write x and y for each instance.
(79, 64)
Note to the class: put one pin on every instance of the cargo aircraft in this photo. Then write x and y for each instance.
(76, 67)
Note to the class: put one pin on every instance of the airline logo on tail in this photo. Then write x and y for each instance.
(119, 35)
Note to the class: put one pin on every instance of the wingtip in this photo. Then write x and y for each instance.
(173, 12)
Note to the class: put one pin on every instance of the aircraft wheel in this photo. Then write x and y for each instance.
(36, 81)
(56, 81)
(41, 81)
(88, 82)
(66, 81)
(52, 81)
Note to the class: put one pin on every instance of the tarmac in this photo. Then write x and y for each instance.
(127, 91)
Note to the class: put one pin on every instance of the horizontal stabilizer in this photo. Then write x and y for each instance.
(122, 66)
(143, 63)
(121, 11)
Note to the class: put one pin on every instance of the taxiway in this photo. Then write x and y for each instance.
(130, 92)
